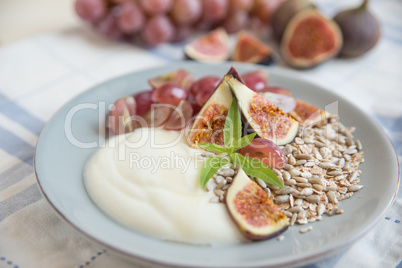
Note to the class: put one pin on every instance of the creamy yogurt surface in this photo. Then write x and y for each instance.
(149, 181)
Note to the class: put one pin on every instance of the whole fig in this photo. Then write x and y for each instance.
(360, 30)
(285, 12)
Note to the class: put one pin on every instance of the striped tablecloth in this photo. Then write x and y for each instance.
(39, 75)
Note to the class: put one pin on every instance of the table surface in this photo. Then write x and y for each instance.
(48, 56)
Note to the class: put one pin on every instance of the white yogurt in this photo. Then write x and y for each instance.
(156, 191)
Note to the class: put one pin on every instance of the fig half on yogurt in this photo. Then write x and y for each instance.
(257, 217)
(360, 30)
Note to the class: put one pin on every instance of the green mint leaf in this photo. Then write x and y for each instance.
(232, 128)
(243, 142)
(215, 148)
(210, 167)
(255, 168)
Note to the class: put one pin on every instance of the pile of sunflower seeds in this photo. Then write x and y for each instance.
(321, 170)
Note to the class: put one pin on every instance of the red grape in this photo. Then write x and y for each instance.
(203, 88)
(121, 116)
(236, 21)
(144, 102)
(157, 116)
(215, 10)
(130, 18)
(207, 83)
(186, 12)
(154, 7)
(182, 33)
(108, 26)
(158, 30)
(266, 151)
(170, 94)
(256, 80)
(179, 116)
(90, 10)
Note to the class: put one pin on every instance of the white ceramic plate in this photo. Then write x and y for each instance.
(59, 166)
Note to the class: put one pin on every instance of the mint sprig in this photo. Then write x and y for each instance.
(233, 140)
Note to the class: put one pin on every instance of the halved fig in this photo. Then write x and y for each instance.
(179, 117)
(308, 114)
(266, 151)
(257, 217)
(264, 118)
(179, 77)
(211, 47)
(210, 121)
(310, 39)
(251, 50)
(286, 103)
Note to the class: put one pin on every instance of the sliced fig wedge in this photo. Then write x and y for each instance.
(308, 114)
(257, 217)
(211, 47)
(264, 118)
(250, 49)
(210, 121)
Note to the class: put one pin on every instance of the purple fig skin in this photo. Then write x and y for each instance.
(360, 30)
(285, 13)
(255, 237)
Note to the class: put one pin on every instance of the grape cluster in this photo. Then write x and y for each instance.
(159, 21)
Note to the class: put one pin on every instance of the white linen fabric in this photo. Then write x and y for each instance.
(39, 75)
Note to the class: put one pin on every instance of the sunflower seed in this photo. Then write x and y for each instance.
(358, 145)
(295, 209)
(291, 160)
(218, 192)
(302, 221)
(300, 162)
(294, 172)
(281, 199)
(332, 197)
(313, 198)
(354, 187)
(352, 177)
(286, 175)
(303, 156)
(309, 164)
(320, 209)
(293, 219)
(335, 173)
(288, 167)
(303, 184)
(299, 141)
(326, 165)
(290, 182)
(261, 183)
(306, 191)
(221, 184)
